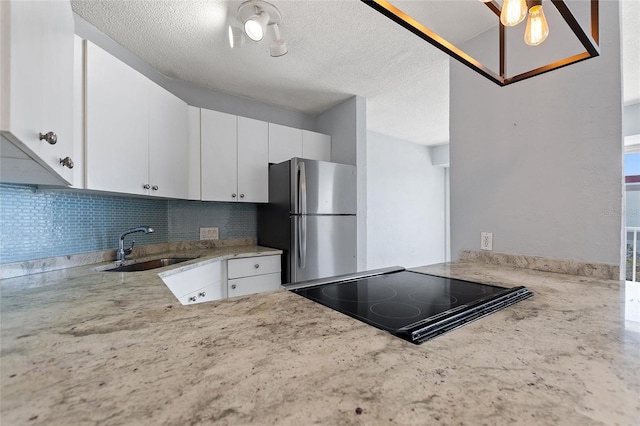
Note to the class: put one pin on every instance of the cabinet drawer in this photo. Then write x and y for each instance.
(256, 284)
(251, 266)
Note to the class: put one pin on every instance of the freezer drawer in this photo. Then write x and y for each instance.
(323, 246)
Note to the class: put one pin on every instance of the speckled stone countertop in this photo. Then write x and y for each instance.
(83, 347)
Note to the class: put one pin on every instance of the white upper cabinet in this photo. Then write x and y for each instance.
(316, 146)
(193, 177)
(284, 143)
(234, 158)
(137, 134)
(168, 144)
(253, 165)
(36, 87)
(117, 125)
(218, 156)
(288, 142)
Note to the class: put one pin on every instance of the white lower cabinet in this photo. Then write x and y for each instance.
(224, 278)
(253, 275)
(196, 284)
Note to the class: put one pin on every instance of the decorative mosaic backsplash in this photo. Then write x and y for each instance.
(37, 223)
(233, 220)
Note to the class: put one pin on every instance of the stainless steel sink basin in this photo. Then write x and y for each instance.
(150, 264)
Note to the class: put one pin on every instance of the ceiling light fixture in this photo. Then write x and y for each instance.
(510, 14)
(259, 17)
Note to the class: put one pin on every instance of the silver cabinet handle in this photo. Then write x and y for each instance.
(233, 195)
(50, 137)
(146, 186)
(67, 162)
(154, 187)
(202, 294)
(257, 265)
(241, 195)
(233, 286)
(192, 299)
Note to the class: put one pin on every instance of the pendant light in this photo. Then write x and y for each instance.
(509, 13)
(513, 12)
(537, 28)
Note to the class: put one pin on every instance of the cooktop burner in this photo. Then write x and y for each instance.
(412, 305)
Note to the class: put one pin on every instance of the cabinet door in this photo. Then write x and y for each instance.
(37, 80)
(218, 156)
(117, 124)
(316, 146)
(255, 284)
(253, 160)
(284, 143)
(168, 144)
(193, 162)
(78, 112)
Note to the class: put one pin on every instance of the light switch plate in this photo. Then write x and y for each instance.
(208, 233)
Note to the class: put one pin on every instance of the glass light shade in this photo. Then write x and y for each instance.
(256, 26)
(537, 28)
(513, 12)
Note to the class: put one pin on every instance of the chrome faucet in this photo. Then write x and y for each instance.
(123, 252)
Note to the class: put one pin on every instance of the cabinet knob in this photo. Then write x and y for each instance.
(202, 294)
(50, 137)
(233, 286)
(154, 187)
(192, 299)
(233, 195)
(67, 162)
(257, 265)
(241, 195)
(146, 186)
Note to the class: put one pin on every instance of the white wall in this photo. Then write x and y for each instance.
(539, 162)
(405, 204)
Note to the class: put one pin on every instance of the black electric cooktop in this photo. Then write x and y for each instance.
(414, 306)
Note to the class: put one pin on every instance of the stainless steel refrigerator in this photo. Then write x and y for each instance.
(311, 216)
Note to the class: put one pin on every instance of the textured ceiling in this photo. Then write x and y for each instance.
(337, 49)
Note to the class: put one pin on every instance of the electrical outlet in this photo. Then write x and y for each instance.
(208, 233)
(486, 241)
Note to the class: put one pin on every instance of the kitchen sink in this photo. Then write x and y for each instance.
(150, 264)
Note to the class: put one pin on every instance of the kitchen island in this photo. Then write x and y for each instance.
(84, 347)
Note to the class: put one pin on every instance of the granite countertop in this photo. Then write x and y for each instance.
(86, 347)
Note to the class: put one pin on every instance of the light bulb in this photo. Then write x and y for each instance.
(256, 26)
(513, 12)
(537, 28)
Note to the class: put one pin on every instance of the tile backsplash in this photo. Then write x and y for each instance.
(37, 223)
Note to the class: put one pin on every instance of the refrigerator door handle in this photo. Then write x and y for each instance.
(302, 208)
